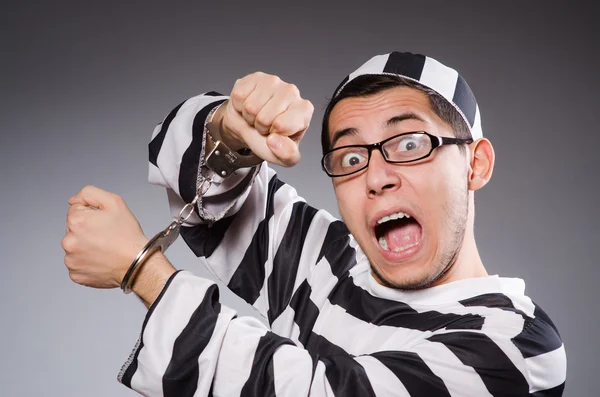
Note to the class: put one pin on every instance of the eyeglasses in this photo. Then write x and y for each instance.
(403, 148)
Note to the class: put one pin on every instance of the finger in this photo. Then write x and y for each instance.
(254, 103)
(252, 139)
(94, 196)
(278, 152)
(241, 89)
(284, 149)
(294, 120)
(278, 104)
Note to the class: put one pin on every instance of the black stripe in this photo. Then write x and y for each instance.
(347, 377)
(305, 311)
(126, 379)
(405, 64)
(204, 240)
(494, 301)
(554, 392)
(156, 143)
(188, 170)
(360, 304)
(414, 373)
(539, 313)
(182, 374)
(498, 301)
(261, 381)
(287, 259)
(319, 346)
(478, 351)
(213, 93)
(335, 231)
(341, 257)
(537, 338)
(249, 277)
(465, 100)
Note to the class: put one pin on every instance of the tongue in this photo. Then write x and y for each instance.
(402, 236)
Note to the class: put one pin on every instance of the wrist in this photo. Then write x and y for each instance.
(227, 137)
(152, 277)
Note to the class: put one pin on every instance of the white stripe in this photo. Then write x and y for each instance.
(237, 355)
(292, 371)
(375, 65)
(383, 381)
(460, 380)
(320, 386)
(178, 139)
(439, 77)
(547, 370)
(216, 351)
(334, 324)
(476, 130)
(321, 281)
(155, 177)
(168, 320)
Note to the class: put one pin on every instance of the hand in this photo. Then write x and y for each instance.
(101, 243)
(266, 115)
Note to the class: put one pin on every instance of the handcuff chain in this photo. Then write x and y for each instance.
(189, 207)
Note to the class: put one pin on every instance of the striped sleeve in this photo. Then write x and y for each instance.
(264, 239)
(175, 151)
(191, 345)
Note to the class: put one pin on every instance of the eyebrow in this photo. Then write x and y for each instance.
(391, 122)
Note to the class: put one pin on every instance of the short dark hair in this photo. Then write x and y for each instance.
(368, 85)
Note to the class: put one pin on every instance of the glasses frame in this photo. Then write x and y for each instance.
(436, 141)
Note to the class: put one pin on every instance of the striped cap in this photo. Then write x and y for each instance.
(430, 73)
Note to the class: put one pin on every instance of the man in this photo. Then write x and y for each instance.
(393, 301)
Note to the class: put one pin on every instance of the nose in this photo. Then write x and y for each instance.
(381, 176)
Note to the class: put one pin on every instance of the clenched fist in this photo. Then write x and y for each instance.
(266, 115)
(100, 242)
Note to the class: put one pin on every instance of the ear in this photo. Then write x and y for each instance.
(482, 163)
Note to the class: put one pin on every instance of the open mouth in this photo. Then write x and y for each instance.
(398, 232)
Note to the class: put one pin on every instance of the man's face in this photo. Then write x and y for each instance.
(406, 253)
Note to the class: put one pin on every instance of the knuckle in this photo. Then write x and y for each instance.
(262, 120)
(279, 125)
(251, 108)
(76, 277)
(272, 79)
(308, 105)
(236, 94)
(293, 89)
(67, 244)
(117, 200)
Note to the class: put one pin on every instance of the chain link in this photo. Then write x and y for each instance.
(202, 189)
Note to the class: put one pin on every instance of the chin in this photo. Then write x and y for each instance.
(415, 274)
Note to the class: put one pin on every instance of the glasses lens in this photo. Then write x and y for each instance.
(407, 147)
(346, 160)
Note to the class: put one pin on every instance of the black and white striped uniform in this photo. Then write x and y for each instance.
(333, 330)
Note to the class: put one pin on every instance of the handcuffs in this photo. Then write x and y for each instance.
(222, 161)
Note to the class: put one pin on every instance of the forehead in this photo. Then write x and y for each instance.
(366, 111)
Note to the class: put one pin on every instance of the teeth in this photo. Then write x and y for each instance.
(399, 249)
(397, 215)
(383, 243)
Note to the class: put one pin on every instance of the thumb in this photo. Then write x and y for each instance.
(92, 196)
(284, 148)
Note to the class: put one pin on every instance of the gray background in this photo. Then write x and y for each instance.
(82, 86)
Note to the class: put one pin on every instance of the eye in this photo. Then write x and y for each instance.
(352, 159)
(409, 143)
